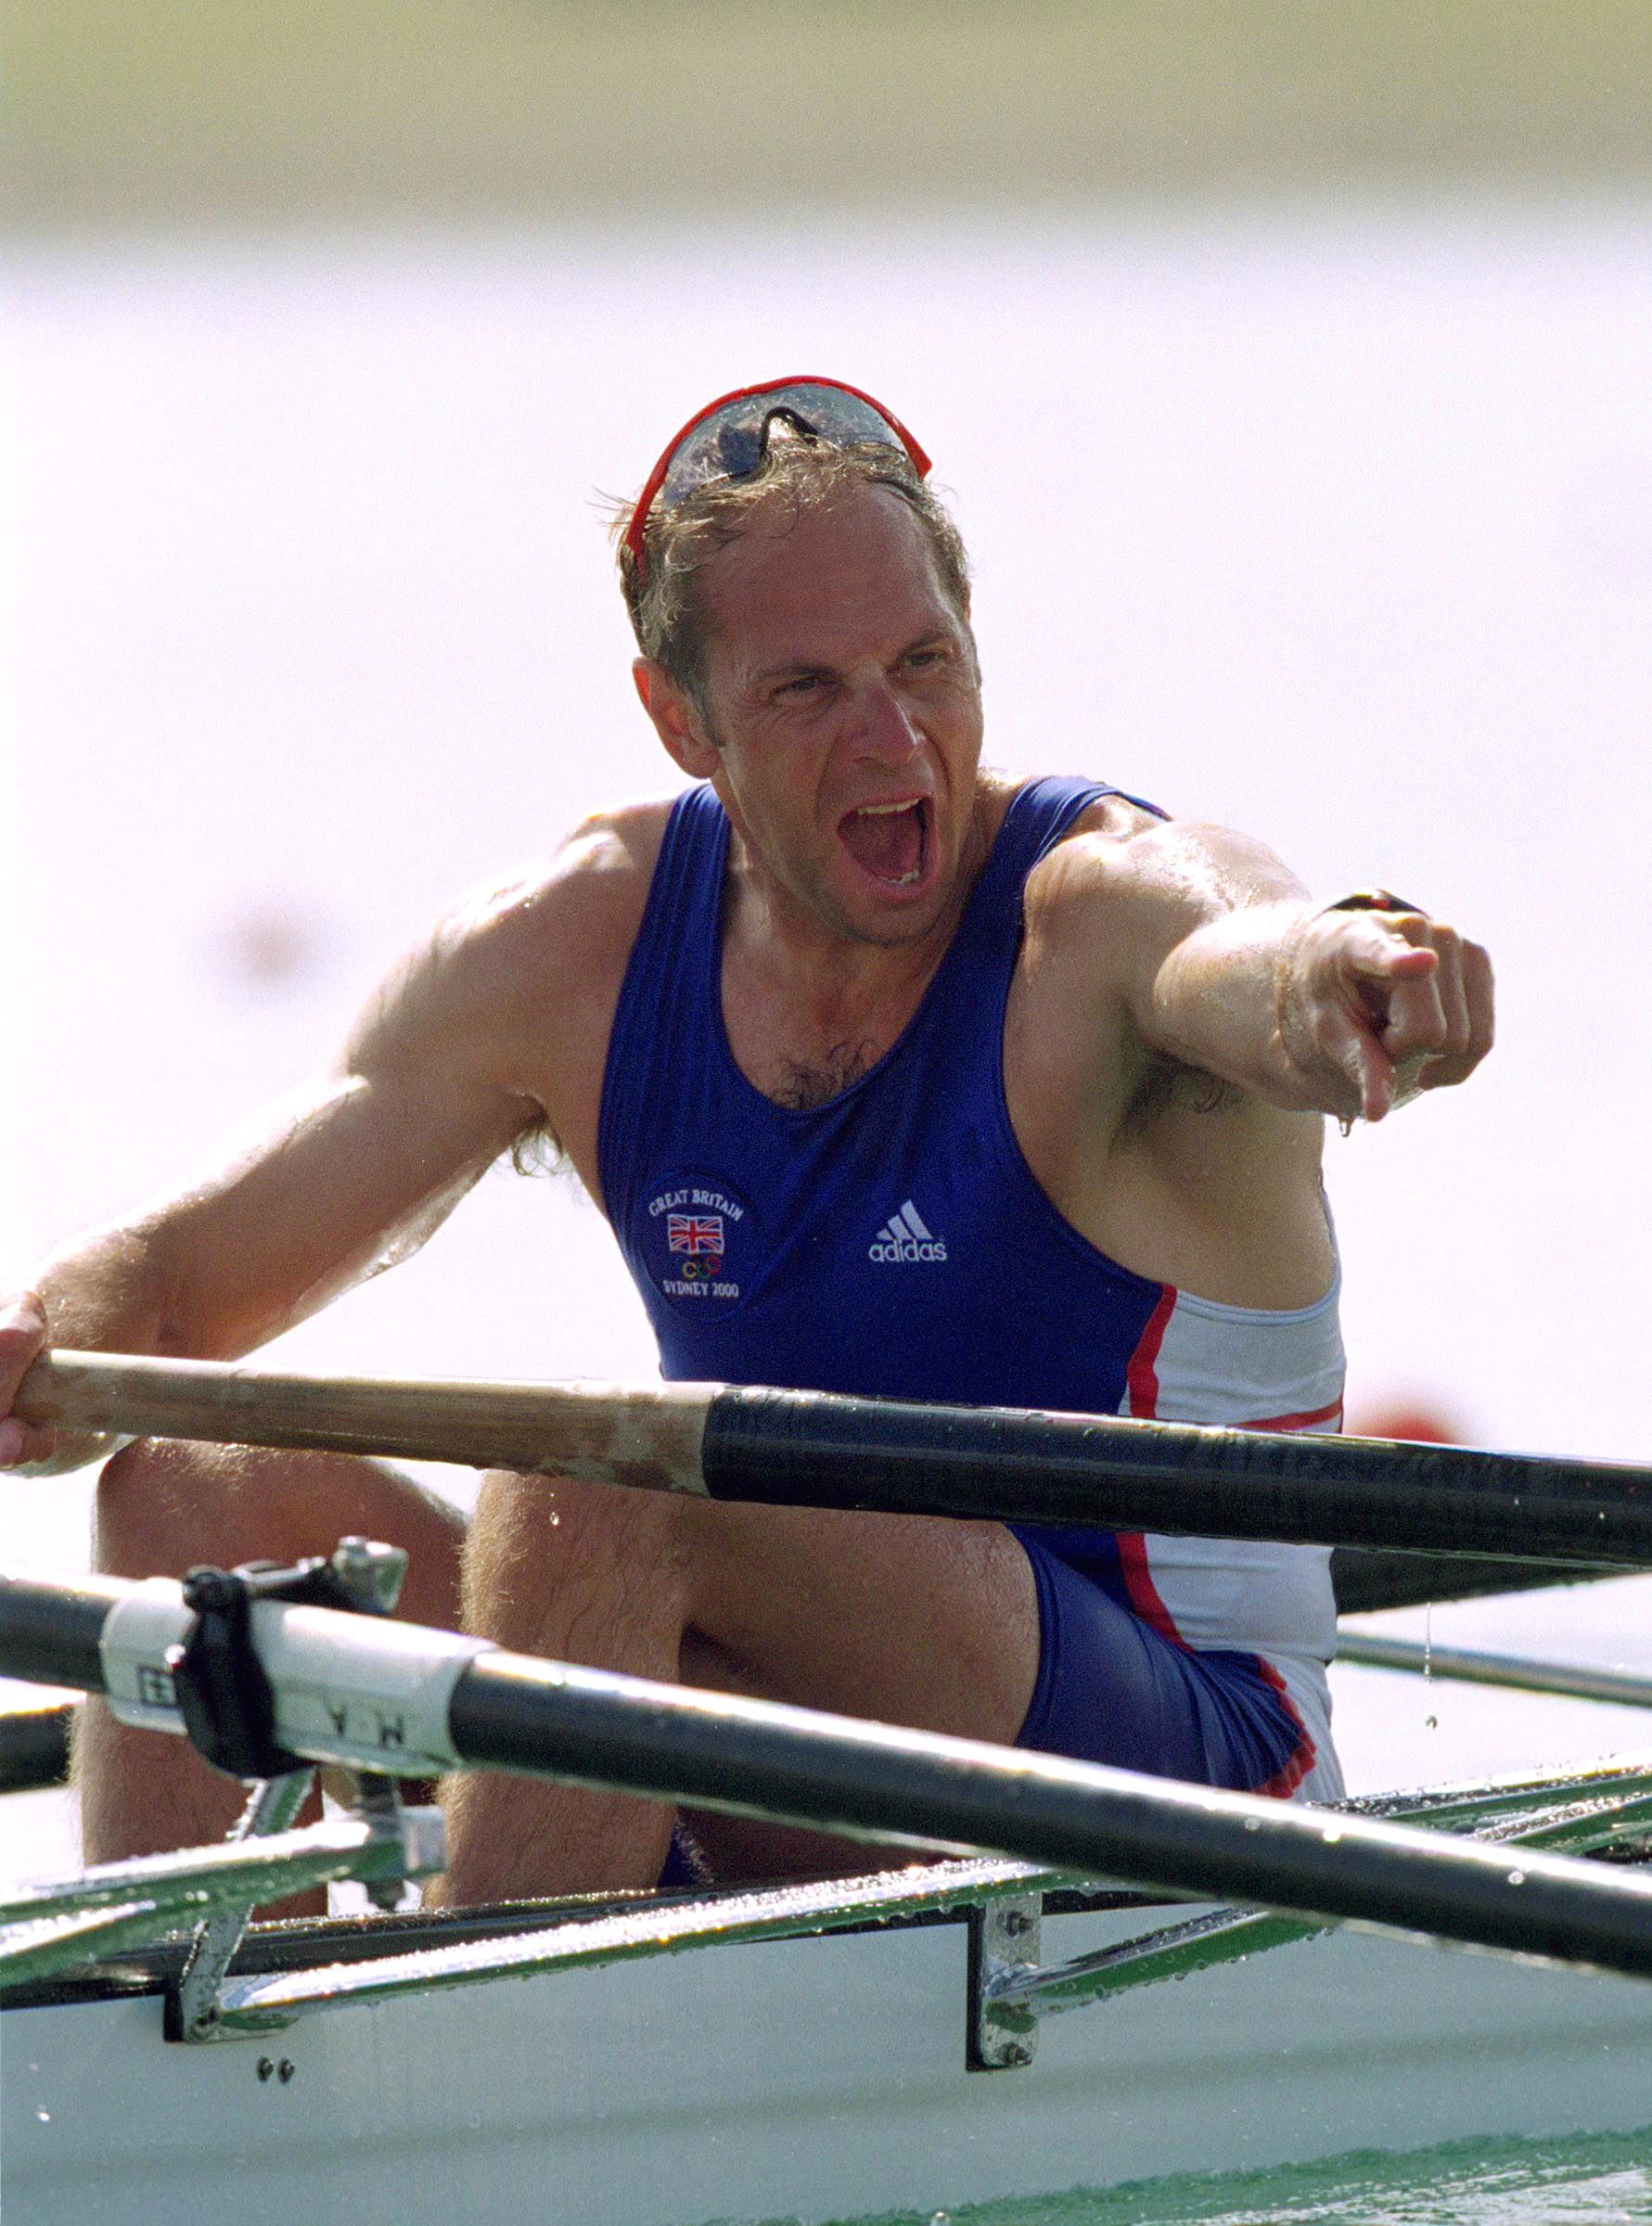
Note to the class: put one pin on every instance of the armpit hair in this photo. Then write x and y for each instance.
(538, 1151)
(1170, 1086)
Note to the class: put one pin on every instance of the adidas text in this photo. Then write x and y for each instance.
(905, 1236)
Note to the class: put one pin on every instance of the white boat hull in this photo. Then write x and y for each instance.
(805, 2079)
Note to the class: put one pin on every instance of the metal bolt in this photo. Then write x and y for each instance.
(370, 1572)
(266, 2069)
(1015, 1922)
(285, 2070)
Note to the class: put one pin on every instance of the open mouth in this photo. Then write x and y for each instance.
(889, 841)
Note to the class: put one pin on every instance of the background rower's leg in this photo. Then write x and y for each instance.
(161, 1507)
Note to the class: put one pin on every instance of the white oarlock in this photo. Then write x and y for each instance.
(352, 1689)
(139, 1635)
(359, 1690)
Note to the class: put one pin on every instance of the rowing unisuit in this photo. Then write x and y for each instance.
(893, 1243)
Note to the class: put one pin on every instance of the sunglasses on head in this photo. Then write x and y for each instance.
(729, 437)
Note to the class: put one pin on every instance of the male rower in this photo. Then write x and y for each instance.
(892, 1076)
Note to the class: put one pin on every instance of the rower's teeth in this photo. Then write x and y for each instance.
(888, 840)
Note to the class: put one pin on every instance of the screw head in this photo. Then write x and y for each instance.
(285, 2070)
(370, 1571)
(266, 2069)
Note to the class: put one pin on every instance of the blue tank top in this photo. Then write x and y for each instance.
(893, 1242)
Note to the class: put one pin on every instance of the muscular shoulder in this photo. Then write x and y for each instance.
(572, 915)
(532, 951)
(1124, 877)
(1104, 911)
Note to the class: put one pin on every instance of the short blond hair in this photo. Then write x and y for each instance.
(662, 592)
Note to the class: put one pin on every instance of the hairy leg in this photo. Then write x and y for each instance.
(931, 1624)
(899, 1619)
(578, 1573)
(161, 1507)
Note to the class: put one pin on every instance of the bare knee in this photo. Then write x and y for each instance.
(162, 1506)
(591, 1573)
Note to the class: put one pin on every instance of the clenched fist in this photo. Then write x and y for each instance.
(1375, 1006)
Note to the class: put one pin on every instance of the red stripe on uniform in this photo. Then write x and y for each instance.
(1141, 1383)
(1142, 1376)
(1283, 1783)
(1299, 1421)
(1143, 1591)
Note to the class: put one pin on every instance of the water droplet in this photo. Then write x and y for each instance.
(1431, 1723)
(44, 2117)
(1253, 1823)
(1332, 1835)
(1516, 1878)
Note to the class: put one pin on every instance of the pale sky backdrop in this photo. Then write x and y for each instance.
(1318, 505)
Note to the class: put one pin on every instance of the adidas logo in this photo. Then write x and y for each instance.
(903, 1237)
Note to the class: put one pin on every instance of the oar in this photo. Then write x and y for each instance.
(431, 1700)
(34, 1747)
(1508, 1673)
(816, 1449)
(1365, 1581)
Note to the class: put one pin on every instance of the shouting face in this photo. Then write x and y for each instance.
(839, 716)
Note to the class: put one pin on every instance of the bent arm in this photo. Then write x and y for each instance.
(351, 1172)
(497, 1024)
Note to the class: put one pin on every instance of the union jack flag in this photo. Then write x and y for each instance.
(694, 1232)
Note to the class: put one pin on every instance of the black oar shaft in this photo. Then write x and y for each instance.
(805, 1449)
(511, 1713)
(49, 1632)
(34, 1747)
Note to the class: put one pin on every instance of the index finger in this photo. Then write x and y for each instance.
(1377, 947)
(23, 1332)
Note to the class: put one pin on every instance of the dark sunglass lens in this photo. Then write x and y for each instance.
(739, 451)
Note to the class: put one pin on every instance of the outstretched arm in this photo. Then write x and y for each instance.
(1230, 968)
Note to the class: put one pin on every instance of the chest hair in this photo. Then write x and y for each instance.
(801, 1085)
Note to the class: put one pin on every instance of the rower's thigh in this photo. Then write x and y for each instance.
(589, 1573)
(162, 1507)
(905, 1619)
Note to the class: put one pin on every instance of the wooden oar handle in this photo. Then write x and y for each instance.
(812, 1449)
(607, 1433)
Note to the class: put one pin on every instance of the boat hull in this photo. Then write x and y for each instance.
(808, 2079)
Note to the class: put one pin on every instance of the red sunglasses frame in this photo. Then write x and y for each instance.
(656, 479)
